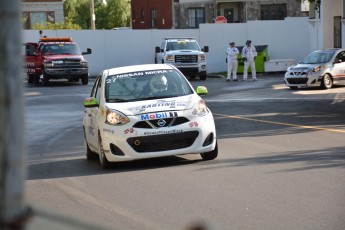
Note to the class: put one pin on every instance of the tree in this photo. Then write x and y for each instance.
(116, 13)
(317, 3)
(56, 26)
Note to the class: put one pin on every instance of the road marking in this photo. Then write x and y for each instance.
(282, 123)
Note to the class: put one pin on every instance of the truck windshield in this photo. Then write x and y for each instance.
(318, 57)
(54, 49)
(183, 45)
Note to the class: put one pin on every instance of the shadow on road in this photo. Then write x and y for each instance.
(82, 167)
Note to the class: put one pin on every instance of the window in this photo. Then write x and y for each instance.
(195, 17)
(142, 16)
(273, 12)
(29, 19)
(153, 18)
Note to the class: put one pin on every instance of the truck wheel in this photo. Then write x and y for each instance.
(85, 80)
(31, 78)
(202, 76)
(45, 80)
(36, 79)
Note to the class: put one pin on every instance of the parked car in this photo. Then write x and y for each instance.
(321, 68)
(146, 111)
(55, 58)
(185, 54)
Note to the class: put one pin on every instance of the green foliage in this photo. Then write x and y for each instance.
(56, 26)
(317, 3)
(116, 13)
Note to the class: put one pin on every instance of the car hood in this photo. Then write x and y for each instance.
(303, 66)
(152, 106)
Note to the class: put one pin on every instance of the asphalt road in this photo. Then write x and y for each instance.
(281, 163)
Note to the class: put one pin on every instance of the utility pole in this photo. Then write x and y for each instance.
(12, 166)
(92, 14)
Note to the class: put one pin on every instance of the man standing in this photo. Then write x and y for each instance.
(249, 54)
(232, 53)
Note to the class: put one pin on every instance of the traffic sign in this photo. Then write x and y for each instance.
(221, 19)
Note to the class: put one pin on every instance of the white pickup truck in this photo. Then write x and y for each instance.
(185, 54)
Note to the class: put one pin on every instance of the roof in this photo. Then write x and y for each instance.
(136, 68)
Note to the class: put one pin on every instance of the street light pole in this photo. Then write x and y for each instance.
(12, 166)
(92, 14)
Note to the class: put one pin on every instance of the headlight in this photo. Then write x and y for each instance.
(200, 109)
(316, 69)
(83, 63)
(48, 64)
(169, 58)
(202, 57)
(116, 118)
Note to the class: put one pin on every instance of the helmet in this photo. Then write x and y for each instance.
(158, 83)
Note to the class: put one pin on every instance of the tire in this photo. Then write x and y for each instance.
(192, 76)
(202, 76)
(31, 78)
(85, 80)
(102, 158)
(36, 79)
(327, 82)
(210, 155)
(90, 155)
(293, 87)
(45, 80)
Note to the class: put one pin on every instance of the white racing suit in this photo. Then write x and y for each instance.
(232, 53)
(249, 54)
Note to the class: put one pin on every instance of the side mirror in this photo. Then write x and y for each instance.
(205, 49)
(88, 51)
(337, 61)
(90, 102)
(201, 90)
(157, 49)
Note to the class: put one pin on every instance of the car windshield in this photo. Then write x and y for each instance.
(317, 57)
(60, 48)
(146, 85)
(182, 45)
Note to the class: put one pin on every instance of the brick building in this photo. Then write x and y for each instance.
(41, 11)
(184, 14)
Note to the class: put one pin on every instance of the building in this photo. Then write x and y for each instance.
(41, 11)
(186, 14)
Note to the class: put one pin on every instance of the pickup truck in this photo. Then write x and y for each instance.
(185, 54)
(55, 58)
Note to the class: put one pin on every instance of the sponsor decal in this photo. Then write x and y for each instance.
(162, 132)
(193, 124)
(108, 130)
(160, 104)
(112, 79)
(130, 130)
(153, 116)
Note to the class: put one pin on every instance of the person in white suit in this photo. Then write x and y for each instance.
(232, 53)
(249, 55)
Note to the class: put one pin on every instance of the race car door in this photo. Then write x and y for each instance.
(91, 129)
(339, 68)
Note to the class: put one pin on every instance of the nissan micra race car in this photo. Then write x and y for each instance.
(321, 68)
(146, 111)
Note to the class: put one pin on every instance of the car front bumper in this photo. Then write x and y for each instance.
(126, 144)
(303, 80)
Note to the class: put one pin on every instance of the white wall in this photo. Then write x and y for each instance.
(286, 39)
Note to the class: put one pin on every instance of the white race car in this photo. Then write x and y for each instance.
(146, 111)
(321, 68)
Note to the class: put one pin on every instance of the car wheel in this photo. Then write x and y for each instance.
(36, 79)
(90, 155)
(293, 87)
(85, 80)
(192, 76)
(327, 82)
(102, 158)
(210, 155)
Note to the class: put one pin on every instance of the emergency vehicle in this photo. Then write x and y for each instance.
(55, 58)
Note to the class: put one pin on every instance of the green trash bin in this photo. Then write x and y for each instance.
(262, 56)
